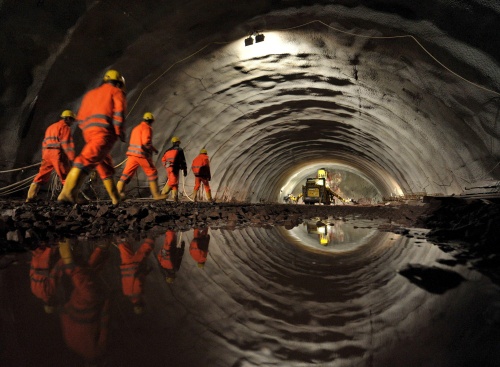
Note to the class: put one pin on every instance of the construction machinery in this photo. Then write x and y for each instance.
(316, 190)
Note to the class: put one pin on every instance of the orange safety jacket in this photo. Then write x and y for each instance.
(174, 158)
(103, 108)
(58, 136)
(141, 144)
(170, 256)
(198, 248)
(42, 277)
(201, 166)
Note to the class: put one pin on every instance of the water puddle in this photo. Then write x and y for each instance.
(325, 293)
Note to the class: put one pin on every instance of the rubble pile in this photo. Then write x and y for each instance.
(48, 220)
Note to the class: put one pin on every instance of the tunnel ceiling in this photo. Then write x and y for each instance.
(406, 95)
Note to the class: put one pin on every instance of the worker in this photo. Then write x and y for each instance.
(170, 256)
(133, 271)
(202, 175)
(198, 248)
(85, 317)
(174, 161)
(44, 272)
(58, 153)
(101, 118)
(139, 153)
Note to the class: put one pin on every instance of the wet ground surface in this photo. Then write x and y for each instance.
(263, 297)
(281, 285)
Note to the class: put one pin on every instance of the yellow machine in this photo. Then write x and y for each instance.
(316, 190)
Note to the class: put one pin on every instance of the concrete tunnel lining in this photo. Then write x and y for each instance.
(320, 92)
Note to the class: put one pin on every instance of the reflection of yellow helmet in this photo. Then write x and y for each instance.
(203, 151)
(148, 116)
(67, 113)
(138, 309)
(175, 139)
(170, 279)
(201, 265)
(49, 309)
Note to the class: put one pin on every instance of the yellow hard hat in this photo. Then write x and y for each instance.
(67, 113)
(203, 151)
(148, 116)
(175, 139)
(113, 75)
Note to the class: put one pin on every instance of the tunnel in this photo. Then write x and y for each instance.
(405, 97)
(398, 100)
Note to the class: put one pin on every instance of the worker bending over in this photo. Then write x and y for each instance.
(201, 170)
(101, 118)
(174, 161)
(139, 153)
(58, 152)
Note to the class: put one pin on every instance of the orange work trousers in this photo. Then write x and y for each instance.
(53, 159)
(133, 163)
(95, 153)
(201, 180)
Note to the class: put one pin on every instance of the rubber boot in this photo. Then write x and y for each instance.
(119, 187)
(65, 251)
(195, 196)
(209, 196)
(175, 195)
(153, 186)
(32, 192)
(110, 186)
(74, 181)
(166, 189)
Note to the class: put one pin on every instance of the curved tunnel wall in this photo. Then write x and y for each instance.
(315, 92)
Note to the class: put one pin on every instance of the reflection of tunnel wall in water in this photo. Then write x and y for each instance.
(319, 93)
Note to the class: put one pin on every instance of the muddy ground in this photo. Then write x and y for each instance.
(468, 227)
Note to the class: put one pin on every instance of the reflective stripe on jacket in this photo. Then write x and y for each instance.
(103, 108)
(58, 136)
(201, 166)
(140, 144)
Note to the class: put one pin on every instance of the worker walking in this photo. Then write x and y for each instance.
(174, 161)
(58, 152)
(198, 248)
(101, 118)
(139, 153)
(170, 256)
(133, 272)
(201, 170)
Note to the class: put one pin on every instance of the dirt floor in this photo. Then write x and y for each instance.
(466, 226)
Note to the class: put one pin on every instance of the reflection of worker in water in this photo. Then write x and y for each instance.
(133, 271)
(84, 319)
(170, 256)
(198, 247)
(44, 272)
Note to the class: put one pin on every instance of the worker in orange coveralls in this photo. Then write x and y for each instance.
(201, 169)
(58, 152)
(139, 154)
(101, 117)
(133, 271)
(44, 272)
(174, 161)
(198, 247)
(85, 317)
(170, 256)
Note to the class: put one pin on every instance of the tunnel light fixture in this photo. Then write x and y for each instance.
(249, 41)
(259, 37)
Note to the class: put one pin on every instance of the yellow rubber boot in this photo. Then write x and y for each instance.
(195, 196)
(119, 187)
(110, 186)
(175, 195)
(166, 189)
(209, 196)
(65, 251)
(153, 186)
(33, 191)
(74, 181)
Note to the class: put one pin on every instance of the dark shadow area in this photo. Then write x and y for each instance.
(434, 280)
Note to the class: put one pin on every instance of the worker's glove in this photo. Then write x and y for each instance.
(122, 136)
(185, 173)
(209, 178)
